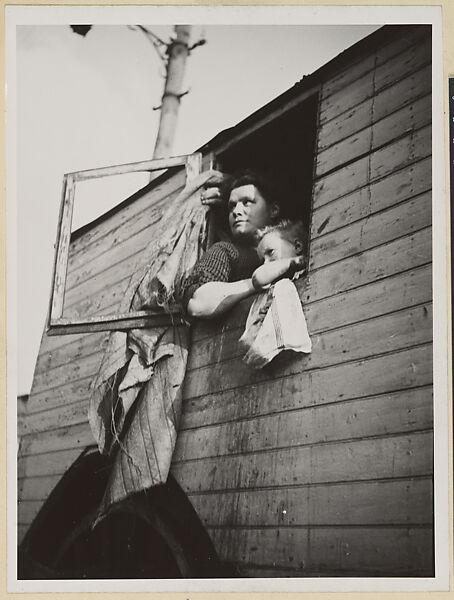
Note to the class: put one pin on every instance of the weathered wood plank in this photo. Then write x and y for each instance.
(413, 116)
(112, 274)
(113, 251)
(65, 438)
(384, 193)
(62, 415)
(388, 414)
(372, 300)
(384, 103)
(347, 75)
(378, 164)
(108, 228)
(126, 241)
(69, 351)
(36, 488)
(66, 373)
(65, 394)
(50, 463)
(399, 255)
(380, 228)
(408, 455)
(226, 369)
(27, 511)
(94, 299)
(380, 375)
(398, 502)
(381, 551)
(413, 59)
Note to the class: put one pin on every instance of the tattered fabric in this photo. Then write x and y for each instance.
(135, 403)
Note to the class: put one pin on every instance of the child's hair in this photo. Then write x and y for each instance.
(290, 230)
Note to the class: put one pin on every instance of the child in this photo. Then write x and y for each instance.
(276, 321)
(281, 247)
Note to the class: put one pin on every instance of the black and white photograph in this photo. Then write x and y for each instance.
(229, 298)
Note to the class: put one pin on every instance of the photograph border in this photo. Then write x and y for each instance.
(442, 319)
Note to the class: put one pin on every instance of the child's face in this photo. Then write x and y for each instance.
(274, 246)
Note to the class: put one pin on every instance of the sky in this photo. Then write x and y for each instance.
(86, 102)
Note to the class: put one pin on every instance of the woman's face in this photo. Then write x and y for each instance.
(249, 211)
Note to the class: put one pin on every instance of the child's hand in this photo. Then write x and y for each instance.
(270, 272)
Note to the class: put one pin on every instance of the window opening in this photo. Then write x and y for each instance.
(58, 322)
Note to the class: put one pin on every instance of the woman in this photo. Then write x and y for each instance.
(223, 276)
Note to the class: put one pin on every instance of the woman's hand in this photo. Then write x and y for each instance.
(209, 182)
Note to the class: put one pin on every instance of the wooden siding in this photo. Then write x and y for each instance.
(318, 464)
(322, 464)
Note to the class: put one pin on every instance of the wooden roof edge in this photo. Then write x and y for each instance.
(357, 50)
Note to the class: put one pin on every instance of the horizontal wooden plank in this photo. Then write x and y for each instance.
(107, 229)
(388, 414)
(69, 351)
(398, 502)
(384, 53)
(381, 375)
(27, 511)
(379, 195)
(380, 228)
(36, 488)
(367, 551)
(62, 415)
(97, 299)
(359, 341)
(118, 248)
(50, 463)
(412, 116)
(66, 393)
(408, 455)
(389, 100)
(400, 66)
(385, 161)
(114, 276)
(65, 438)
(404, 253)
(384, 296)
(66, 373)
(113, 251)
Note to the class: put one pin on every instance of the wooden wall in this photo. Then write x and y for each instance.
(56, 429)
(322, 465)
(315, 465)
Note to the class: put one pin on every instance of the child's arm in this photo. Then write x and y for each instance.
(270, 272)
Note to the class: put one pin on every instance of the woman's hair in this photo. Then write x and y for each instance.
(256, 178)
(290, 230)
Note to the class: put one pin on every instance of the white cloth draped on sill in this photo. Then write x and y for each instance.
(275, 323)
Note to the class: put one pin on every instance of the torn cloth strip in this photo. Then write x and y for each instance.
(135, 401)
(275, 323)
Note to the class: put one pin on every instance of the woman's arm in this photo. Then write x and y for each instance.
(216, 297)
(270, 272)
